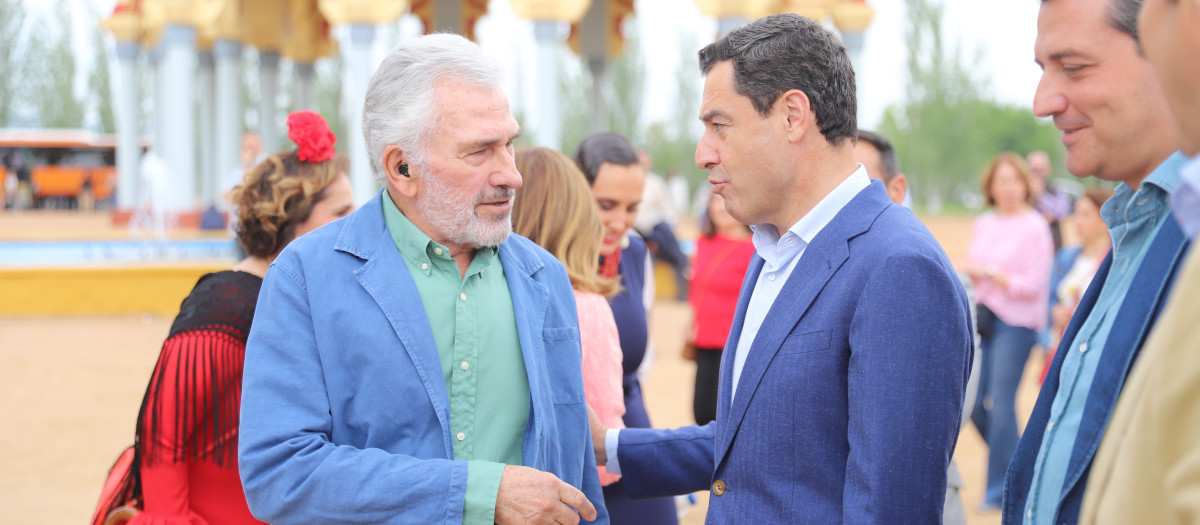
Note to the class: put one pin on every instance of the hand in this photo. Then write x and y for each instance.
(689, 350)
(598, 434)
(1061, 315)
(973, 270)
(531, 496)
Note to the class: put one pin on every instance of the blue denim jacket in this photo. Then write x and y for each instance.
(1134, 316)
(345, 415)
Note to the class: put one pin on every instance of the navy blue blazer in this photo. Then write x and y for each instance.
(1146, 297)
(850, 399)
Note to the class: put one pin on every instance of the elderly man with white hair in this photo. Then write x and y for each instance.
(416, 362)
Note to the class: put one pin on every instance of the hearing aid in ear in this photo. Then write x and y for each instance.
(404, 170)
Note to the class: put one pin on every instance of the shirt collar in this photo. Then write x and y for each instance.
(1158, 185)
(768, 241)
(1189, 175)
(416, 246)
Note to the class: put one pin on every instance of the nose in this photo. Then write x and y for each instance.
(506, 174)
(1048, 100)
(706, 153)
(617, 220)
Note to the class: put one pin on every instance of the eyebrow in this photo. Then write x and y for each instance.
(488, 142)
(1059, 56)
(712, 114)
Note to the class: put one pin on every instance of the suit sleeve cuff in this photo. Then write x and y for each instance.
(483, 485)
(610, 448)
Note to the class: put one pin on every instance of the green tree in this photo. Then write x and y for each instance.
(626, 85)
(574, 101)
(947, 128)
(673, 141)
(100, 80)
(327, 94)
(51, 77)
(12, 19)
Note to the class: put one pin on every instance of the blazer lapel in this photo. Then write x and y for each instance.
(814, 269)
(820, 261)
(1140, 308)
(530, 300)
(725, 374)
(385, 278)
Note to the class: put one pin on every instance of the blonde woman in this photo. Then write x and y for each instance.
(555, 209)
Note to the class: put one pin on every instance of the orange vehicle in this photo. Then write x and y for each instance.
(58, 166)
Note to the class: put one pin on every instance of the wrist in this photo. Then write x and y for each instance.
(990, 271)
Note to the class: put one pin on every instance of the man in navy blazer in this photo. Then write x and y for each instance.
(842, 381)
(1106, 98)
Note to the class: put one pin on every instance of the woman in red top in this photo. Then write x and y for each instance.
(722, 256)
(184, 468)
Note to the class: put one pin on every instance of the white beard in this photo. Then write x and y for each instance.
(454, 216)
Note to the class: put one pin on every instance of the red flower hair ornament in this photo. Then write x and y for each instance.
(314, 141)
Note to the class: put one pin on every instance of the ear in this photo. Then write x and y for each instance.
(393, 158)
(798, 113)
(897, 188)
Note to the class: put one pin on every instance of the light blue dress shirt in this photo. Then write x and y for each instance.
(1185, 202)
(1133, 219)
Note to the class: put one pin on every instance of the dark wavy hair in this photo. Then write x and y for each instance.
(277, 195)
(782, 52)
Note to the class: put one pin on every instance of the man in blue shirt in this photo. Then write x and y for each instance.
(1105, 97)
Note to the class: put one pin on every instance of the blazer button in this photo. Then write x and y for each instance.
(718, 487)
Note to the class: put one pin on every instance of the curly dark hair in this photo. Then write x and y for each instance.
(277, 195)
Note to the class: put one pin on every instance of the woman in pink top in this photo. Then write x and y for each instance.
(555, 209)
(1009, 259)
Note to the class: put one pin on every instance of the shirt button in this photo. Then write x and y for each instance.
(462, 296)
(771, 276)
(424, 266)
(466, 365)
(1029, 514)
(461, 436)
(1143, 201)
(1082, 347)
(718, 487)
(1050, 426)
(437, 251)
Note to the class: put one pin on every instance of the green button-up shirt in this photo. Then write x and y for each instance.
(488, 388)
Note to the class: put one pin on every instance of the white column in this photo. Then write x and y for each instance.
(599, 120)
(268, 80)
(359, 59)
(228, 133)
(178, 149)
(129, 147)
(207, 174)
(548, 131)
(304, 73)
(593, 42)
(158, 79)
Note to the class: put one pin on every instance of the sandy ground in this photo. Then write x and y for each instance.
(72, 386)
